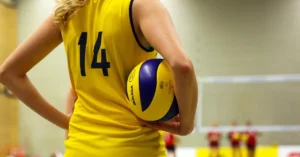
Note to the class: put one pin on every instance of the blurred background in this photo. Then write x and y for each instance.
(246, 55)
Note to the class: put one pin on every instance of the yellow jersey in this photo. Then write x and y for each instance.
(102, 49)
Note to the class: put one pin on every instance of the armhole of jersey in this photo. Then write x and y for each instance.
(148, 48)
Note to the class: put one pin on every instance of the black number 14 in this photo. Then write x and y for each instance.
(104, 65)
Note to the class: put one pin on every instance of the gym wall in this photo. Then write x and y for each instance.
(9, 107)
(233, 37)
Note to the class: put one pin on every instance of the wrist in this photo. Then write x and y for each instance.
(64, 121)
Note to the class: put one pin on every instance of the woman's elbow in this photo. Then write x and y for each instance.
(187, 130)
(5, 76)
(182, 66)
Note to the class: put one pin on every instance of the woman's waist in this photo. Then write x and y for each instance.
(109, 133)
(109, 118)
(113, 149)
(106, 110)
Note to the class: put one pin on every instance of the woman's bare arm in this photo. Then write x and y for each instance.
(13, 72)
(157, 27)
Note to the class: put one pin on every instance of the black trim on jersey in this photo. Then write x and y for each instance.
(126, 93)
(147, 49)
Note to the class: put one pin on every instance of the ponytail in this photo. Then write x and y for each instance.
(65, 9)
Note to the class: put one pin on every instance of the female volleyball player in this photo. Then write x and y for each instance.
(251, 139)
(104, 40)
(214, 139)
(170, 141)
(234, 138)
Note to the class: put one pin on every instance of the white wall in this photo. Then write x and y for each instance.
(50, 77)
(234, 37)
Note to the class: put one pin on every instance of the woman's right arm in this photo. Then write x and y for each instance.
(157, 27)
(13, 72)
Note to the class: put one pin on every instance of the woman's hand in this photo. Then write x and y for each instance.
(171, 126)
(67, 130)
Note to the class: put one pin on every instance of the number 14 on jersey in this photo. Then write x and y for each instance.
(104, 65)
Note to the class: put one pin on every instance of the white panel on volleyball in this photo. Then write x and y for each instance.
(242, 80)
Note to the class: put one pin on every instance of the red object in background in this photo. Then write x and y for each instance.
(214, 138)
(251, 138)
(235, 138)
(294, 154)
(17, 151)
(169, 139)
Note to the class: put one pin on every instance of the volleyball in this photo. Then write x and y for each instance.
(150, 91)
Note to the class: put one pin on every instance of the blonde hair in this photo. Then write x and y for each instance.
(65, 9)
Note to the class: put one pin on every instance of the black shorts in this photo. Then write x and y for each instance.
(251, 147)
(171, 148)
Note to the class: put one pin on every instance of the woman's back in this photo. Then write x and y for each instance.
(102, 51)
